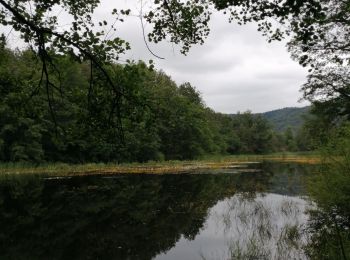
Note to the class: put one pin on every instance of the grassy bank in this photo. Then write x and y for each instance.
(212, 162)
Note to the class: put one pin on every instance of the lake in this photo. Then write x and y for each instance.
(253, 211)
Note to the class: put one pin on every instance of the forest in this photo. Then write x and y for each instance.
(158, 120)
(67, 98)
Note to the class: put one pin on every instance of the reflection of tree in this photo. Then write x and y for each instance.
(265, 227)
(126, 217)
(287, 178)
(133, 217)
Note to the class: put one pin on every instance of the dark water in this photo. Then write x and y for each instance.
(221, 215)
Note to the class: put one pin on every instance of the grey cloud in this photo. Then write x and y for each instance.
(213, 62)
(280, 75)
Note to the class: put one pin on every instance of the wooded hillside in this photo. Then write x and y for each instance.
(282, 119)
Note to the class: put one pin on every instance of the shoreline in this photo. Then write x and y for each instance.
(167, 167)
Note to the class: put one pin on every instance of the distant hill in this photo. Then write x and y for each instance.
(292, 117)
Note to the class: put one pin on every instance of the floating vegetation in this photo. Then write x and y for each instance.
(231, 164)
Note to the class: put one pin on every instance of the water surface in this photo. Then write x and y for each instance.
(225, 214)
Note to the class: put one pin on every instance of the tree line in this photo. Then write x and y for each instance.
(78, 121)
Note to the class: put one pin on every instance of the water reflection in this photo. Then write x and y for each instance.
(211, 216)
(265, 227)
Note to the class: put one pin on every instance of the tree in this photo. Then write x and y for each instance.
(186, 23)
(251, 134)
(38, 26)
(327, 53)
(290, 140)
(165, 122)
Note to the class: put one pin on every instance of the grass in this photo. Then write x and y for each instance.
(212, 162)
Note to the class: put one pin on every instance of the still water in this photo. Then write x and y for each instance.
(254, 212)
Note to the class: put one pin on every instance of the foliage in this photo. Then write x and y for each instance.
(335, 173)
(252, 133)
(330, 189)
(157, 120)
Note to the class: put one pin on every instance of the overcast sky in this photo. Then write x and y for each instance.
(235, 70)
